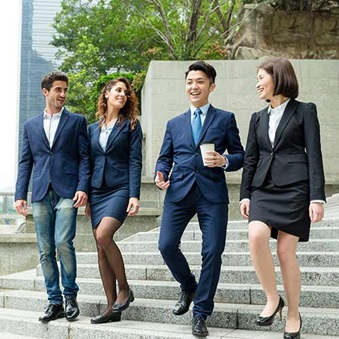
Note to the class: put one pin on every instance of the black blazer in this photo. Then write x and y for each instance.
(296, 155)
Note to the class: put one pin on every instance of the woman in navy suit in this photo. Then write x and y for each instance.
(282, 189)
(116, 162)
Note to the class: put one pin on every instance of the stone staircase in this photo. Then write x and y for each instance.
(239, 297)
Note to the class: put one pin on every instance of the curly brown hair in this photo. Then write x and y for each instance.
(129, 111)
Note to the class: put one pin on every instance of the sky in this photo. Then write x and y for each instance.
(10, 30)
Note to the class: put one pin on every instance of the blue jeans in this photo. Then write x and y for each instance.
(55, 226)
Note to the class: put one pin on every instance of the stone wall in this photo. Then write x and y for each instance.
(293, 34)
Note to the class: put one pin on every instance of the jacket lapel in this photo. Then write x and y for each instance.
(42, 130)
(208, 120)
(286, 117)
(64, 117)
(96, 136)
(115, 132)
(187, 124)
(264, 127)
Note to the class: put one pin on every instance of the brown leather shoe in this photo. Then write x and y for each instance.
(183, 304)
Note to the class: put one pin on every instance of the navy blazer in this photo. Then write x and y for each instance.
(182, 158)
(296, 155)
(66, 165)
(121, 163)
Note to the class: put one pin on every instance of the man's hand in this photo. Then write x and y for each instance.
(21, 207)
(133, 206)
(80, 199)
(214, 159)
(160, 181)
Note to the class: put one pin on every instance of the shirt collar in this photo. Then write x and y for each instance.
(55, 114)
(278, 109)
(204, 109)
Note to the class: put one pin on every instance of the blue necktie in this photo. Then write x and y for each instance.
(196, 125)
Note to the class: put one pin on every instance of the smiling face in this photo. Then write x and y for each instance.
(198, 88)
(117, 96)
(56, 96)
(265, 85)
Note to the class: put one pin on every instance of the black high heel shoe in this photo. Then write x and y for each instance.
(293, 335)
(267, 321)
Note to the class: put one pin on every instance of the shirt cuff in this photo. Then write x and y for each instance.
(243, 200)
(318, 201)
(226, 163)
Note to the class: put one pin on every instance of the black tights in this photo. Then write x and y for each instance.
(111, 264)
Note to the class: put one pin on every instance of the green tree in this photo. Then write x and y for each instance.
(96, 38)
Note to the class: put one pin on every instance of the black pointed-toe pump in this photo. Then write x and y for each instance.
(267, 321)
(293, 335)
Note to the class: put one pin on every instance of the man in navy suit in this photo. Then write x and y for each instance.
(55, 151)
(193, 188)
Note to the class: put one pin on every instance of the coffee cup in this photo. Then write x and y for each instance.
(204, 148)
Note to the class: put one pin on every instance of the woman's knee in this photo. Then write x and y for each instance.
(258, 234)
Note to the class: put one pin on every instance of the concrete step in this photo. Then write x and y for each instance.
(229, 316)
(233, 234)
(243, 224)
(317, 276)
(236, 293)
(24, 322)
(306, 259)
(314, 245)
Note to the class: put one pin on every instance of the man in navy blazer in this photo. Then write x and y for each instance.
(192, 188)
(55, 152)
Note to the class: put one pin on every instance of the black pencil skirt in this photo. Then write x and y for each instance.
(283, 208)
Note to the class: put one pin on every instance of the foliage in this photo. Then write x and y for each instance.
(97, 37)
(298, 5)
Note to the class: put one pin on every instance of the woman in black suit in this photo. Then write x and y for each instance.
(116, 162)
(282, 189)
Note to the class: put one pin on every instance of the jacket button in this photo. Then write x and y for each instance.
(271, 153)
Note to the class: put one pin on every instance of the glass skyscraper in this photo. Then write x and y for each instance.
(37, 56)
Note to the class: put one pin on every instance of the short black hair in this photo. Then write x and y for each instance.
(203, 66)
(283, 76)
(48, 79)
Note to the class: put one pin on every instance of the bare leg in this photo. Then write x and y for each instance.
(259, 236)
(107, 277)
(104, 237)
(287, 247)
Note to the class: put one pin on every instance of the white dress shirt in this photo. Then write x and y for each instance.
(51, 123)
(104, 134)
(275, 115)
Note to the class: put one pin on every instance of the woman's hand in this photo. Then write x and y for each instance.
(133, 206)
(245, 208)
(316, 211)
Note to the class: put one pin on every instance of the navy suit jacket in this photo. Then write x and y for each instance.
(182, 158)
(66, 165)
(296, 154)
(121, 163)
